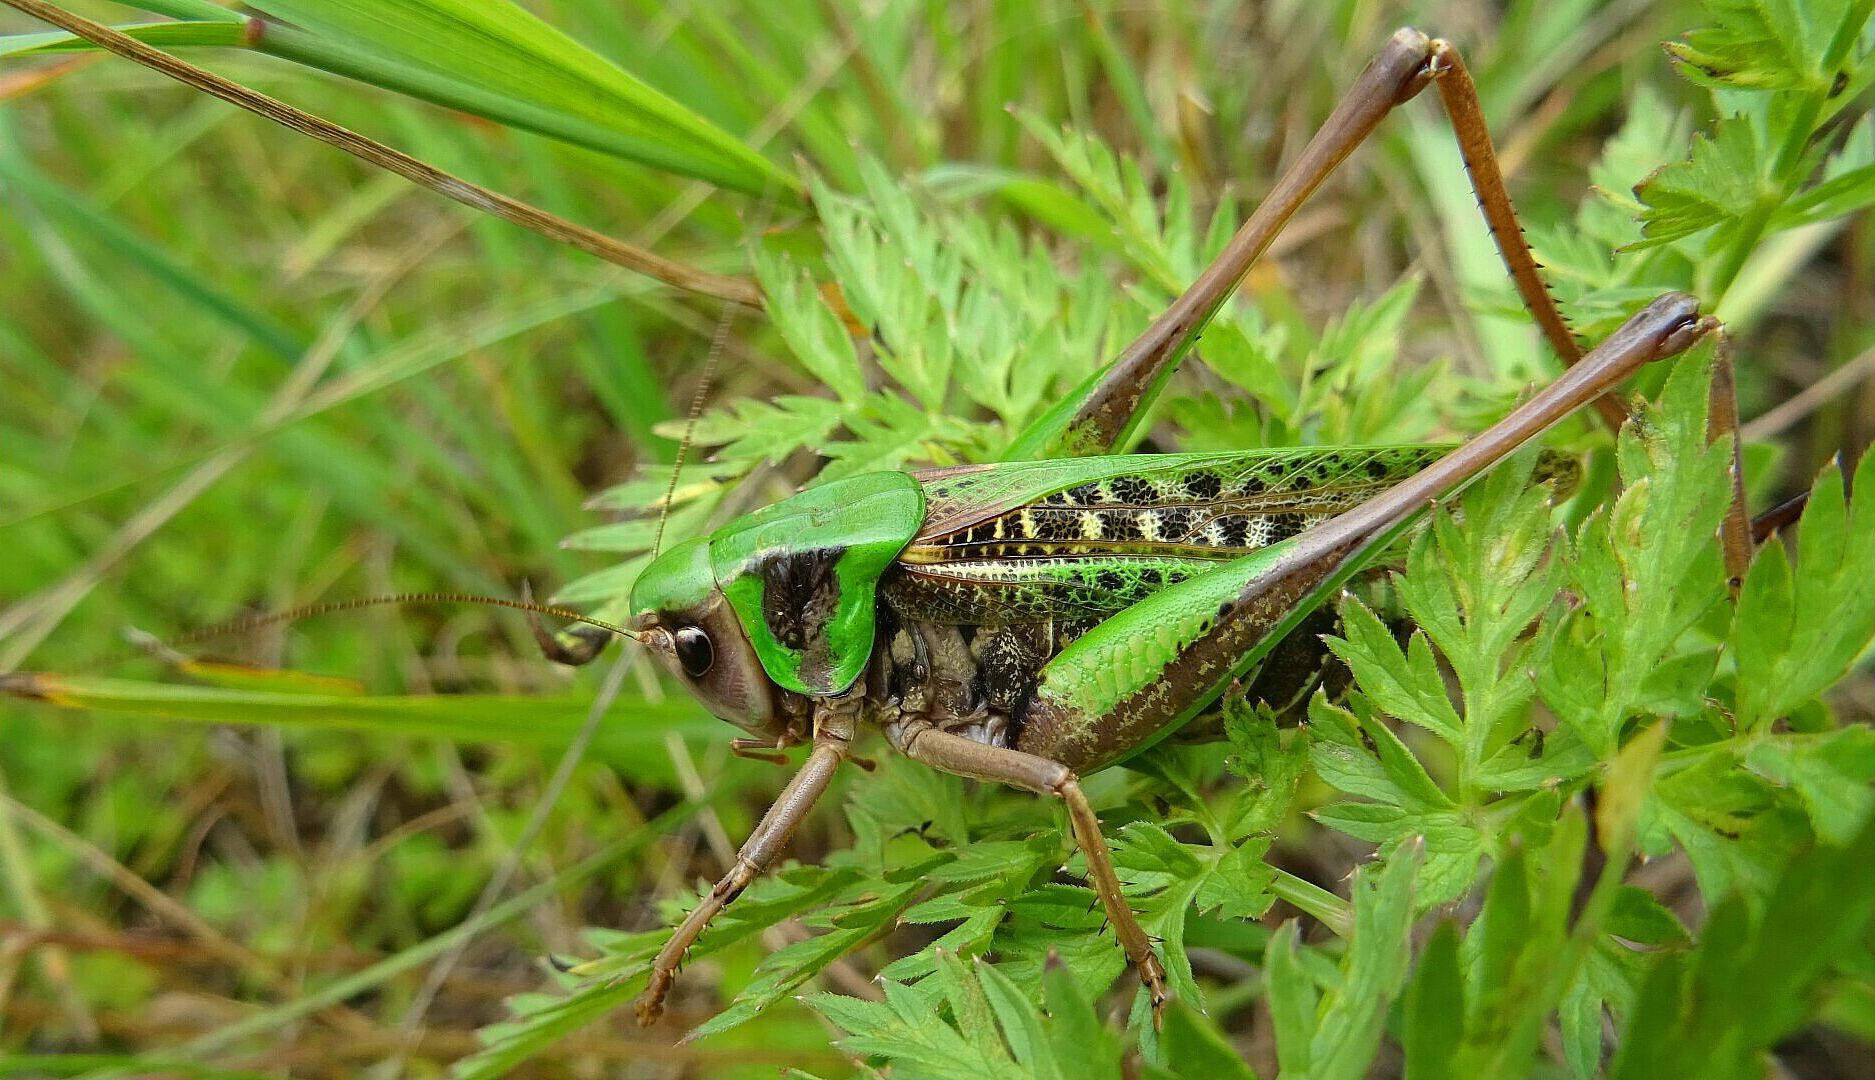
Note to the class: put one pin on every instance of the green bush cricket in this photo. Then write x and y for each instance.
(1038, 620)
(1035, 620)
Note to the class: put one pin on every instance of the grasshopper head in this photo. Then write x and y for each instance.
(779, 605)
(687, 623)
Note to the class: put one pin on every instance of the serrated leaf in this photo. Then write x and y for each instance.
(545, 1022)
(1147, 855)
(1474, 586)
(781, 971)
(1765, 44)
(1341, 756)
(1434, 1017)
(748, 430)
(1373, 972)
(1831, 773)
(991, 1031)
(1270, 766)
(1716, 185)
(1797, 630)
(813, 332)
(1195, 1048)
(1238, 886)
(1647, 569)
(1404, 684)
(1375, 823)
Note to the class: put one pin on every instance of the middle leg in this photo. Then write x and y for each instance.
(966, 757)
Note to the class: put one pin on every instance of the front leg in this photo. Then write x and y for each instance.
(833, 732)
(949, 753)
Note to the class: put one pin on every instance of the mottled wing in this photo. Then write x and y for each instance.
(1089, 540)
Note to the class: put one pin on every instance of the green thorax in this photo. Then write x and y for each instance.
(802, 576)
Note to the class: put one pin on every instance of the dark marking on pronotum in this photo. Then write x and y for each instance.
(800, 593)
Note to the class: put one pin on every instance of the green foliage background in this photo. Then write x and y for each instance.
(1622, 821)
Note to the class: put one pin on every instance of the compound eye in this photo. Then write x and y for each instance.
(694, 651)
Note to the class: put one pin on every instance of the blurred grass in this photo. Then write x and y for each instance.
(244, 373)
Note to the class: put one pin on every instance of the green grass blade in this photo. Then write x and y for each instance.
(384, 970)
(502, 62)
(188, 9)
(633, 728)
(163, 35)
(76, 215)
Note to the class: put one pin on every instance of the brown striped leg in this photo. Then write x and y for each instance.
(1117, 399)
(965, 757)
(761, 849)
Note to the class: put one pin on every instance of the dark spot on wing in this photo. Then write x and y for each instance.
(1131, 491)
(1204, 486)
(1284, 526)
(1123, 526)
(1236, 529)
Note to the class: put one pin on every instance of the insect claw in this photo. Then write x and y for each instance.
(757, 750)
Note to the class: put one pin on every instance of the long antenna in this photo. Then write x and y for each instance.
(719, 340)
